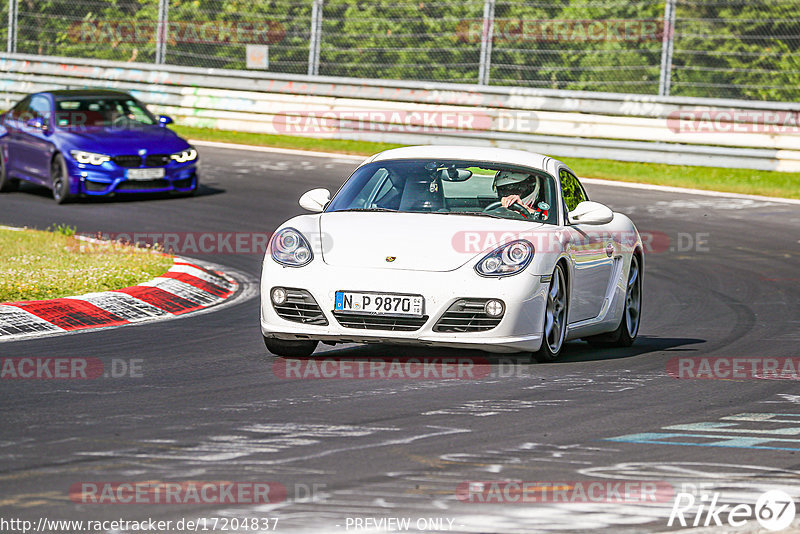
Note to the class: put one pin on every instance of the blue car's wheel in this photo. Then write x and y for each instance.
(59, 179)
(6, 184)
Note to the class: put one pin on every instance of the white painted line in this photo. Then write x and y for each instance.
(291, 151)
(597, 181)
(670, 189)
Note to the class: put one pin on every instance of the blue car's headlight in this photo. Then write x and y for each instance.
(89, 157)
(183, 156)
(509, 259)
(290, 248)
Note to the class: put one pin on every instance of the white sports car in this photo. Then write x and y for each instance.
(453, 246)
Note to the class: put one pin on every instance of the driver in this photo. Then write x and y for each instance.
(519, 187)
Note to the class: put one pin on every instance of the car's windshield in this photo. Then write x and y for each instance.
(100, 111)
(460, 187)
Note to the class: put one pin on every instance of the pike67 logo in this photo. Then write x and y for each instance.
(774, 510)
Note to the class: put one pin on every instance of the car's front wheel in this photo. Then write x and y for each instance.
(290, 349)
(59, 179)
(6, 184)
(628, 328)
(555, 317)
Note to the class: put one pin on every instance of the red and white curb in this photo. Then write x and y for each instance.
(186, 287)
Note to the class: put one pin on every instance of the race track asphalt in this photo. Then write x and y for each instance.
(208, 405)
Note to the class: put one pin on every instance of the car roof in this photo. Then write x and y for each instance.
(470, 153)
(86, 92)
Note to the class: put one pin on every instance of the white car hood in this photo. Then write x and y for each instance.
(417, 241)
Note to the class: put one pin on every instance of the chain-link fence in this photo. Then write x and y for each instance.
(712, 48)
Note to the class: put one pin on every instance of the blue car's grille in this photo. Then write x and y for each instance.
(183, 183)
(127, 161)
(95, 187)
(131, 160)
(142, 185)
(156, 160)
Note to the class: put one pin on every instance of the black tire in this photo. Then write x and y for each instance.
(7, 184)
(290, 349)
(556, 313)
(625, 334)
(59, 180)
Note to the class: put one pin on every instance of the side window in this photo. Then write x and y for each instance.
(571, 189)
(40, 108)
(21, 110)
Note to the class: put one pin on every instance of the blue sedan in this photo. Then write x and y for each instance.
(93, 143)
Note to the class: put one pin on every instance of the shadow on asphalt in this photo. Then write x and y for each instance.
(41, 191)
(573, 352)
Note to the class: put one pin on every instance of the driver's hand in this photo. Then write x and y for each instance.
(507, 201)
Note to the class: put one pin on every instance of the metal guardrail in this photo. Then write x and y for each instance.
(562, 123)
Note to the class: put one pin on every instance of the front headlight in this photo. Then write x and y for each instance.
(290, 248)
(89, 157)
(183, 156)
(509, 259)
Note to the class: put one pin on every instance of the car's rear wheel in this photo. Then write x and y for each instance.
(628, 328)
(59, 179)
(555, 317)
(290, 349)
(6, 184)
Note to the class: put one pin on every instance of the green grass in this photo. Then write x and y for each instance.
(38, 265)
(769, 183)
(339, 146)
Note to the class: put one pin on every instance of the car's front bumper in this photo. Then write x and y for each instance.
(107, 179)
(519, 330)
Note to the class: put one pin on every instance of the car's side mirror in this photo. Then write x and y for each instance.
(588, 212)
(315, 200)
(163, 120)
(35, 122)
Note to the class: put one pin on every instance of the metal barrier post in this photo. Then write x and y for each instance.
(487, 34)
(12, 27)
(667, 43)
(162, 31)
(315, 40)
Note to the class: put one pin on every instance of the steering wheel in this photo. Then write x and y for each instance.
(516, 206)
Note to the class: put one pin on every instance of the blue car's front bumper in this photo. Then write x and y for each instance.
(109, 178)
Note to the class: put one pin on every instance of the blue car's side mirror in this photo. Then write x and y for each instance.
(163, 120)
(35, 122)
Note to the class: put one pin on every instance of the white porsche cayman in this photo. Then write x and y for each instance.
(464, 247)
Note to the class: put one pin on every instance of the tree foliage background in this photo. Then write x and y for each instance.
(722, 48)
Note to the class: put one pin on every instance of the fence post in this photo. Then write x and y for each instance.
(315, 40)
(487, 34)
(12, 27)
(162, 31)
(667, 44)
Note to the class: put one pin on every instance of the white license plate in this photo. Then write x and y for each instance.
(144, 174)
(380, 303)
